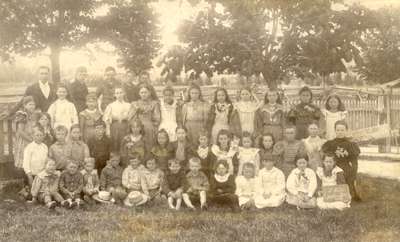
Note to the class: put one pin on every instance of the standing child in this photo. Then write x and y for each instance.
(204, 153)
(333, 112)
(301, 185)
(89, 117)
(170, 113)
(116, 117)
(71, 185)
(154, 178)
(313, 145)
(194, 113)
(173, 186)
(60, 151)
(346, 156)
(100, 146)
(248, 154)
(270, 185)
(182, 148)
(79, 150)
(111, 179)
(133, 142)
(91, 181)
(62, 111)
(162, 152)
(219, 116)
(304, 113)
(196, 185)
(223, 150)
(44, 121)
(245, 186)
(134, 181)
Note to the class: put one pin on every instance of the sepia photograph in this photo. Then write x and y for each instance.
(199, 120)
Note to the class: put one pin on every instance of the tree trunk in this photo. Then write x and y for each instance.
(55, 64)
(272, 84)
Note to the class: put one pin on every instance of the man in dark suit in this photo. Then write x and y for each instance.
(78, 90)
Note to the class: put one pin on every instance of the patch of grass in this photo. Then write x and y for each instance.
(375, 219)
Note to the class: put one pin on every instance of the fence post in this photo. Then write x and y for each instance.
(388, 142)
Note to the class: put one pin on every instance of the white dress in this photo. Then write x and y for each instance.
(313, 148)
(270, 182)
(245, 189)
(330, 120)
(168, 119)
(299, 182)
(63, 112)
(246, 111)
(248, 155)
(224, 155)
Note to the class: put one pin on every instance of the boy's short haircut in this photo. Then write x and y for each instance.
(173, 162)
(269, 157)
(37, 128)
(100, 123)
(90, 160)
(75, 126)
(168, 89)
(249, 165)
(290, 127)
(61, 128)
(203, 133)
(246, 134)
(194, 160)
(72, 162)
(61, 85)
(314, 123)
(109, 68)
(114, 156)
(134, 155)
(341, 122)
(152, 159)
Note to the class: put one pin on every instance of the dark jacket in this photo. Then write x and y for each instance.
(41, 101)
(77, 93)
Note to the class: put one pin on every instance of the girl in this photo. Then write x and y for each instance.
(116, 119)
(194, 113)
(313, 145)
(248, 154)
(154, 178)
(244, 113)
(266, 145)
(162, 151)
(182, 148)
(62, 111)
(245, 187)
(88, 118)
(346, 156)
(25, 120)
(148, 112)
(133, 143)
(220, 113)
(333, 112)
(170, 113)
(79, 150)
(270, 117)
(304, 113)
(301, 185)
(331, 175)
(224, 151)
(44, 121)
(204, 153)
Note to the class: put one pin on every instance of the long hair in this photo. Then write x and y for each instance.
(162, 131)
(136, 121)
(245, 89)
(261, 140)
(227, 99)
(194, 86)
(224, 132)
(341, 105)
(306, 89)
(278, 101)
(43, 115)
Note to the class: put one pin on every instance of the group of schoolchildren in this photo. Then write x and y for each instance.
(244, 155)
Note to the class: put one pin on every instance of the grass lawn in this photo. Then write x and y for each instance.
(375, 219)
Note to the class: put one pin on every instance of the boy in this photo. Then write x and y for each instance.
(134, 180)
(100, 146)
(91, 183)
(71, 185)
(288, 150)
(111, 179)
(196, 185)
(154, 178)
(62, 111)
(45, 186)
(245, 186)
(60, 151)
(173, 185)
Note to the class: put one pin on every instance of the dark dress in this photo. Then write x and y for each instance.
(173, 181)
(100, 150)
(302, 118)
(162, 156)
(207, 160)
(223, 193)
(185, 156)
(78, 91)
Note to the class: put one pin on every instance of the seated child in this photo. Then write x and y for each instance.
(133, 142)
(91, 183)
(71, 185)
(154, 178)
(222, 186)
(162, 151)
(134, 181)
(45, 186)
(226, 149)
(111, 179)
(79, 149)
(270, 184)
(60, 151)
(182, 149)
(173, 185)
(196, 185)
(204, 153)
(331, 175)
(100, 146)
(247, 153)
(245, 186)
(301, 186)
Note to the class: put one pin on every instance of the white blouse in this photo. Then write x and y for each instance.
(306, 183)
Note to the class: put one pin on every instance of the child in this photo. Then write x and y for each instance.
(91, 182)
(313, 145)
(301, 185)
(45, 186)
(62, 111)
(219, 116)
(24, 120)
(194, 113)
(60, 151)
(162, 152)
(79, 150)
(331, 175)
(135, 183)
(270, 117)
(170, 113)
(133, 142)
(154, 178)
(89, 117)
(248, 154)
(333, 112)
(270, 185)
(224, 151)
(288, 150)
(173, 186)
(245, 186)
(346, 156)
(182, 148)
(244, 113)
(116, 117)
(35, 156)
(222, 186)
(44, 122)
(206, 156)
(111, 179)
(196, 185)
(100, 146)
(147, 111)
(266, 144)
(304, 114)
(71, 185)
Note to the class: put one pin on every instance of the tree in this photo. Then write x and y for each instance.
(29, 27)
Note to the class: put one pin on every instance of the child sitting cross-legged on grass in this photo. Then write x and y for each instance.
(154, 178)
(71, 184)
(134, 180)
(45, 186)
(196, 185)
(111, 179)
(173, 185)
(91, 183)
(245, 186)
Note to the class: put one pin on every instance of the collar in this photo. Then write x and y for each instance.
(43, 84)
(223, 178)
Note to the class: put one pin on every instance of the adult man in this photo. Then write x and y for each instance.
(133, 84)
(105, 91)
(78, 90)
